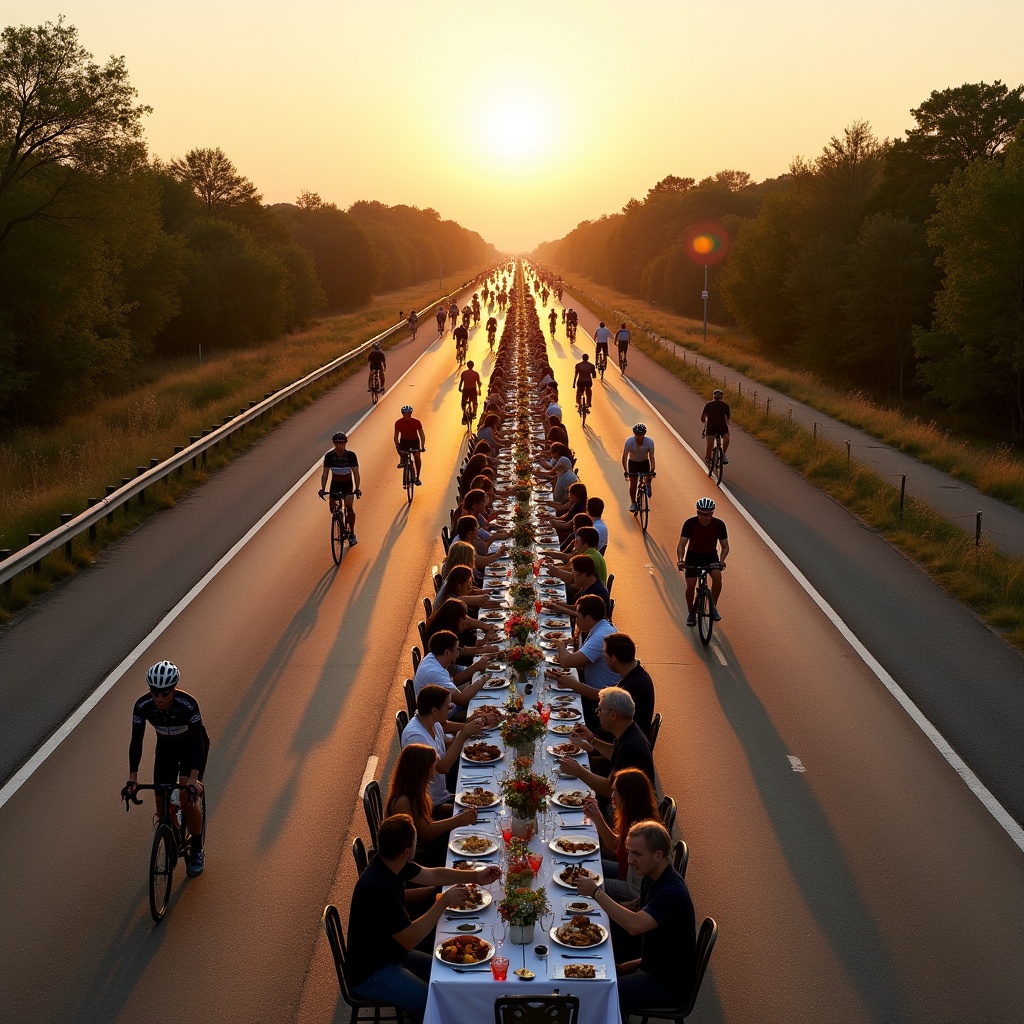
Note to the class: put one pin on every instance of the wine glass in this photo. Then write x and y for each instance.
(500, 932)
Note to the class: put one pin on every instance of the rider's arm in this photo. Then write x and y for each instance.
(355, 477)
(681, 548)
(724, 549)
(135, 746)
(323, 478)
(423, 438)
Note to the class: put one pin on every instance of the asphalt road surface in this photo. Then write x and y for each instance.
(853, 873)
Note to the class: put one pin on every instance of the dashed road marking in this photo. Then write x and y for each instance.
(795, 763)
(719, 655)
(369, 774)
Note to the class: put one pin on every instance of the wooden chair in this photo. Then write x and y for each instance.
(655, 729)
(410, 697)
(536, 1009)
(382, 1012)
(359, 854)
(667, 810)
(427, 606)
(373, 808)
(706, 938)
(417, 657)
(680, 856)
(401, 721)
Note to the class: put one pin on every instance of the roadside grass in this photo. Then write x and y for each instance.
(45, 473)
(981, 577)
(991, 467)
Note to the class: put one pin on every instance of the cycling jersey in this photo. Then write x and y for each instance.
(470, 382)
(601, 338)
(341, 466)
(703, 540)
(492, 324)
(180, 728)
(638, 452)
(461, 334)
(622, 338)
(716, 417)
(584, 373)
(408, 429)
(378, 361)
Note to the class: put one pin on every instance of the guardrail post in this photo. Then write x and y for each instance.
(178, 449)
(66, 517)
(139, 470)
(768, 405)
(6, 553)
(977, 530)
(92, 529)
(815, 430)
(205, 432)
(192, 440)
(903, 494)
(37, 567)
(110, 490)
(847, 451)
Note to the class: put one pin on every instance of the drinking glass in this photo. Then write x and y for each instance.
(536, 858)
(499, 968)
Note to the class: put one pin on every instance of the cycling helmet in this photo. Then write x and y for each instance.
(163, 676)
(376, 346)
(705, 505)
(339, 436)
(640, 428)
(718, 393)
(406, 408)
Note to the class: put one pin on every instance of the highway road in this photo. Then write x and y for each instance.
(853, 873)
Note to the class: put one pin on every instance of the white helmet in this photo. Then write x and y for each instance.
(163, 676)
(705, 505)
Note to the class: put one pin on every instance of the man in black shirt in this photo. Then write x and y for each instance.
(620, 654)
(715, 417)
(383, 961)
(343, 468)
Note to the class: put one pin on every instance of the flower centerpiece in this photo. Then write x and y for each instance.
(521, 906)
(525, 792)
(521, 556)
(523, 534)
(524, 657)
(521, 729)
(523, 595)
(520, 627)
(519, 872)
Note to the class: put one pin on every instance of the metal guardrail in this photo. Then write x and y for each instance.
(33, 553)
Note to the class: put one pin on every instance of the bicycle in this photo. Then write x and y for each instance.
(469, 403)
(570, 332)
(170, 841)
(376, 386)
(703, 603)
(409, 471)
(643, 498)
(341, 526)
(716, 464)
(582, 406)
(601, 361)
(490, 338)
(622, 360)
(460, 351)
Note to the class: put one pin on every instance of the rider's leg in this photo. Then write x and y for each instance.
(416, 459)
(725, 443)
(691, 589)
(716, 584)
(189, 808)
(710, 445)
(590, 396)
(632, 489)
(350, 511)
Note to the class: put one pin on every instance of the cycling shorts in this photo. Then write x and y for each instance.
(695, 561)
(723, 430)
(411, 444)
(601, 346)
(173, 758)
(638, 467)
(341, 487)
(623, 345)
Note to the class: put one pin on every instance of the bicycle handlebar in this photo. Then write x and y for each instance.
(129, 794)
(324, 494)
(650, 476)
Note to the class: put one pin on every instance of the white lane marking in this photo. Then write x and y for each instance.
(974, 784)
(719, 655)
(795, 763)
(369, 774)
(29, 768)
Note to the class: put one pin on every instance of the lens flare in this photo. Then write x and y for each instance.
(707, 243)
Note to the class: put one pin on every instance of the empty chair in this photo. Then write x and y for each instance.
(401, 721)
(422, 627)
(655, 729)
(417, 657)
(382, 1012)
(680, 856)
(410, 697)
(667, 809)
(705, 944)
(611, 608)
(446, 538)
(373, 808)
(359, 854)
(427, 606)
(608, 583)
(435, 575)
(538, 1009)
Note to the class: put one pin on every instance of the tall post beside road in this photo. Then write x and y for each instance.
(704, 296)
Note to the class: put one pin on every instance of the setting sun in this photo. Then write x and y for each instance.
(516, 128)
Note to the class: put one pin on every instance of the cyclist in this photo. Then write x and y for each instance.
(622, 339)
(439, 316)
(715, 417)
(492, 330)
(453, 314)
(461, 336)
(553, 321)
(638, 457)
(182, 747)
(467, 313)
(414, 322)
(476, 309)
(378, 364)
(571, 323)
(409, 437)
(343, 468)
(583, 379)
(698, 545)
(469, 385)
(601, 338)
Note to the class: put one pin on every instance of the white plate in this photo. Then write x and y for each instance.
(595, 846)
(561, 728)
(586, 906)
(497, 683)
(569, 807)
(593, 945)
(469, 928)
(557, 879)
(459, 799)
(566, 714)
(492, 616)
(470, 760)
(554, 753)
(558, 971)
(476, 963)
(554, 623)
(472, 910)
(456, 847)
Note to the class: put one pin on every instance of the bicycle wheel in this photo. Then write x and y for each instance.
(602, 359)
(409, 479)
(375, 391)
(643, 508)
(716, 464)
(703, 607)
(337, 538)
(161, 870)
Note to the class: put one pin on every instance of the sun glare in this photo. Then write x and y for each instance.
(516, 128)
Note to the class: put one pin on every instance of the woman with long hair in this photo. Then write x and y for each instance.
(410, 794)
(633, 799)
(459, 583)
(453, 615)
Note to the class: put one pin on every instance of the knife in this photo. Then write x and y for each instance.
(580, 956)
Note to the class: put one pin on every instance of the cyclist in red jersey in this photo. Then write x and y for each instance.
(409, 437)
(469, 385)
(583, 379)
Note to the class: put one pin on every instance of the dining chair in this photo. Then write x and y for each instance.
(446, 538)
(417, 657)
(427, 606)
(422, 627)
(435, 575)
(608, 583)
(706, 938)
(611, 608)
(667, 810)
(359, 854)
(680, 856)
(401, 721)
(373, 808)
(655, 729)
(410, 697)
(382, 1012)
(536, 1009)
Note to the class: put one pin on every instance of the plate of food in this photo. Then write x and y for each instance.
(495, 584)
(569, 797)
(469, 928)
(578, 972)
(556, 634)
(555, 622)
(562, 700)
(477, 797)
(493, 616)
(469, 865)
(565, 750)
(460, 950)
(496, 682)
(579, 933)
(568, 877)
(566, 714)
(476, 899)
(487, 715)
(482, 752)
(561, 728)
(574, 846)
(474, 845)
(578, 905)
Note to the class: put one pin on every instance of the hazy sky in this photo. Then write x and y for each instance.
(521, 119)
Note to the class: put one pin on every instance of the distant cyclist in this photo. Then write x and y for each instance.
(378, 364)
(182, 747)
(461, 336)
(469, 385)
(409, 437)
(571, 323)
(622, 340)
(583, 379)
(698, 546)
(342, 467)
(601, 338)
(638, 457)
(715, 417)
(553, 321)
(492, 330)
(476, 309)
(439, 315)
(453, 314)
(414, 322)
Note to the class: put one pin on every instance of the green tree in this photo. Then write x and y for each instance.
(214, 179)
(975, 354)
(63, 120)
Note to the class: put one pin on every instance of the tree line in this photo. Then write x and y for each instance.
(894, 266)
(110, 258)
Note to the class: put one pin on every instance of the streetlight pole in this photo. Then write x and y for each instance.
(704, 296)
(440, 278)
